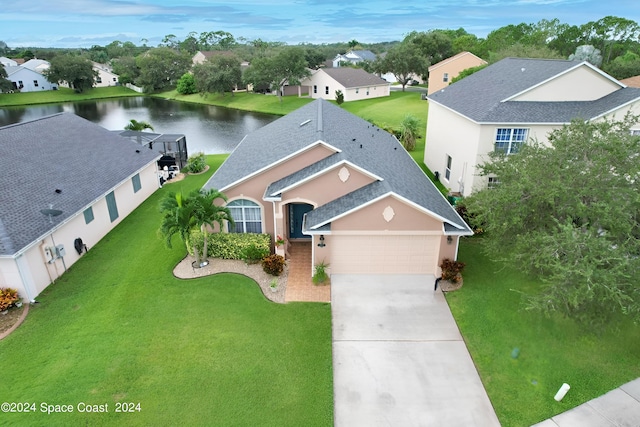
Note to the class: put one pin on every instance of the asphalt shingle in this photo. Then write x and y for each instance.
(357, 140)
(60, 152)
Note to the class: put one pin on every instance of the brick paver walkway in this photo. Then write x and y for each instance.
(300, 287)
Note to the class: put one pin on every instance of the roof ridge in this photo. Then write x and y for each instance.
(33, 120)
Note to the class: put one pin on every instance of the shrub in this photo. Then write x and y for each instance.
(196, 163)
(451, 270)
(273, 264)
(230, 245)
(339, 97)
(253, 253)
(320, 275)
(8, 298)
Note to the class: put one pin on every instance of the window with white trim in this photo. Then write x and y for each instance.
(635, 132)
(445, 78)
(447, 169)
(315, 88)
(246, 216)
(493, 182)
(510, 140)
(326, 90)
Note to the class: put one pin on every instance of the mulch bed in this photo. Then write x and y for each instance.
(11, 318)
(447, 286)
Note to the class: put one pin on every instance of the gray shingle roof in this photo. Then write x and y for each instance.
(361, 143)
(64, 152)
(354, 77)
(480, 96)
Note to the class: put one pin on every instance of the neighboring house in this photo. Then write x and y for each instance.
(355, 84)
(106, 77)
(37, 65)
(6, 62)
(202, 56)
(441, 74)
(327, 177)
(353, 57)
(631, 81)
(64, 178)
(509, 103)
(27, 80)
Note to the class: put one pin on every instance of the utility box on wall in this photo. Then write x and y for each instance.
(60, 252)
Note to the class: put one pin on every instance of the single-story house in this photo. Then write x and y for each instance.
(7, 62)
(324, 176)
(441, 74)
(27, 80)
(509, 103)
(353, 57)
(66, 182)
(37, 65)
(106, 76)
(355, 84)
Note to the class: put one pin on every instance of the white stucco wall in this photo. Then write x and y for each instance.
(321, 81)
(31, 272)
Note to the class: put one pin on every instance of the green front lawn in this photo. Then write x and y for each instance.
(119, 327)
(489, 312)
(63, 95)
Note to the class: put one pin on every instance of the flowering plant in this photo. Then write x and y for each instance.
(279, 241)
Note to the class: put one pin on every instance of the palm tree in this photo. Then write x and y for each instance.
(178, 219)
(207, 213)
(138, 126)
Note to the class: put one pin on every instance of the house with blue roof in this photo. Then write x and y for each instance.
(510, 103)
(324, 177)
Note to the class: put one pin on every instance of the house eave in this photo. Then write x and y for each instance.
(280, 161)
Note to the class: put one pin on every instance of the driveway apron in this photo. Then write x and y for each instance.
(399, 358)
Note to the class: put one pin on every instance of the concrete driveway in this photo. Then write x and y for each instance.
(399, 358)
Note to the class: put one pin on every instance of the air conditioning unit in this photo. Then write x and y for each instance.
(60, 252)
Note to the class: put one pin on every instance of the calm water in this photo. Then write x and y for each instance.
(209, 129)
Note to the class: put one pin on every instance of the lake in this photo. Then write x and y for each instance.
(208, 129)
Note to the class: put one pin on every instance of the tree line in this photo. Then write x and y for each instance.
(614, 45)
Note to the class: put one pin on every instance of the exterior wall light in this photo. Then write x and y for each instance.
(449, 239)
(321, 244)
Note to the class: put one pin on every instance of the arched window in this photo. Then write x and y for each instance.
(246, 215)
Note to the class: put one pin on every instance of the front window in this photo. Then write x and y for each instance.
(493, 182)
(445, 78)
(326, 90)
(246, 216)
(509, 141)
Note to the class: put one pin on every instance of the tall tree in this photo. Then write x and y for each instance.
(569, 213)
(126, 69)
(434, 45)
(5, 84)
(285, 66)
(404, 61)
(160, 68)
(218, 74)
(77, 71)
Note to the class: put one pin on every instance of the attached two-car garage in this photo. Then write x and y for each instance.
(384, 254)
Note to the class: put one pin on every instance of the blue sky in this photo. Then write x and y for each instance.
(83, 23)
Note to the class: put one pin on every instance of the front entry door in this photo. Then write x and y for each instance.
(296, 214)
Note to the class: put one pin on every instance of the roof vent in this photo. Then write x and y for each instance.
(58, 191)
(305, 122)
(137, 151)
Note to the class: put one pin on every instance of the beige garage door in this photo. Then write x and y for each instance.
(384, 254)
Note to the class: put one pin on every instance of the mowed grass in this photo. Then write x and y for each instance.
(268, 104)
(63, 95)
(119, 327)
(489, 312)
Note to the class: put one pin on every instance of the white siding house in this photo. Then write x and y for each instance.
(27, 80)
(509, 103)
(355, 84)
